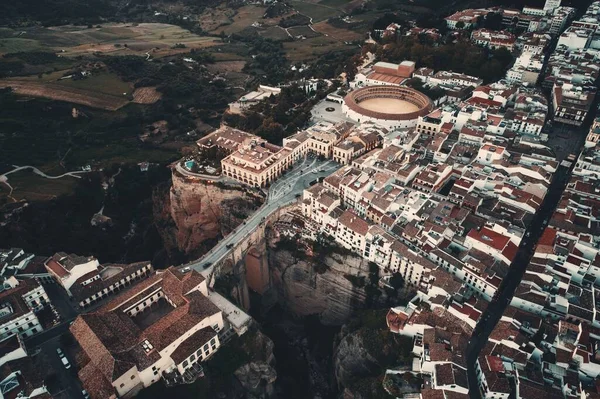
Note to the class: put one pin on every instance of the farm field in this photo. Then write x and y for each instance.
(335, 3)
(108, 39)
(309, 49)
(146, 95)
(275, 33)
(337, 33)
(245, 17)
(315, 11)
(102, 82)
(303, 31)
(60, 92)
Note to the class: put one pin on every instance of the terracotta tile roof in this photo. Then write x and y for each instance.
(489, 237)
(193, 343)
(95, 383)
(114, 342)
(354, 222)
(57, 268)
(81, 292)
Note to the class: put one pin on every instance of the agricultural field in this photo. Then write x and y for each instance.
(305, 31)
(335, 3)
(101, 82)
(120, 39)
(62, 92)
(146, 95)
(310, 49)
(337, 33)
(316, 11)
(275, 33)
(243, 18)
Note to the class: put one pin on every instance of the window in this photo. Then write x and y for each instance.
(30, 324)
(122, 385)
(132, 377)
(34, 331)
(185, 363)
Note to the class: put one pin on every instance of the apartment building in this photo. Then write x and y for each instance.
(494, 39)
(572, 102)
(68, 269)
(19, 303)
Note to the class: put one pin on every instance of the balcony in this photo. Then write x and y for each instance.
(190, 375)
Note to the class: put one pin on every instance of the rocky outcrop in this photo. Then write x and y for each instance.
(307, 289)
(197, 213)
(257, 379)
(352, 360)
(363, 350)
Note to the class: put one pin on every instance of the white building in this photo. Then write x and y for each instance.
(162, 328)
(67, 269)
(19, 303)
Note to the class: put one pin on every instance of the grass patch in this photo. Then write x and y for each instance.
(338, 33)
(29, 186)
(315, 11)
(244, 17)
(103, 82)
(303, 31)
(274, 33)
(14, 45)
(335, 3)
(310, 49)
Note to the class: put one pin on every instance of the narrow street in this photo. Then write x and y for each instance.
(496, 308)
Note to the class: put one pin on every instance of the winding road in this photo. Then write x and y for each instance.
(4, 177)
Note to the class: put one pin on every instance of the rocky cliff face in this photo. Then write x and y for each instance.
(306, 289)
(196, 214)
(258, 376)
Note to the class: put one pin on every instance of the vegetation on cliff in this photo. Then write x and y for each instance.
(366, 350)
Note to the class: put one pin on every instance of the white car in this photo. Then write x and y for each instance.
(85, 394)
(60, 353)
(65, 362)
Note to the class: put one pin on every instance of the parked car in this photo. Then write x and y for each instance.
(85, 394)
(60, 352)
(65, 362)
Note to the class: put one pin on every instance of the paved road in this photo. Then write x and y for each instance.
(509, 284)
(283, 192)
(67, 383)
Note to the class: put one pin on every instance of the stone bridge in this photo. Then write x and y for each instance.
(242, 254)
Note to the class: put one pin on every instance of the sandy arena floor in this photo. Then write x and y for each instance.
(388, 105)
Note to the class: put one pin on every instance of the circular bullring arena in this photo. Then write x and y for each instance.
(389, 106)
